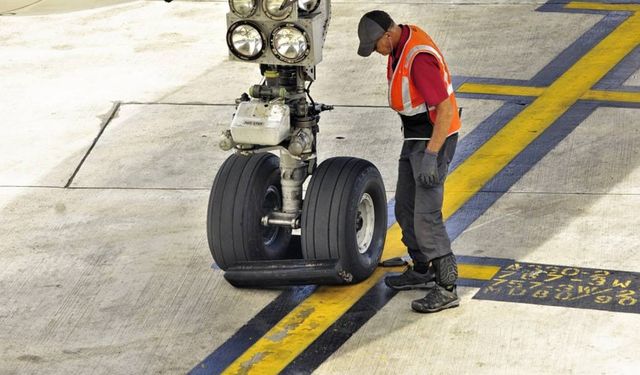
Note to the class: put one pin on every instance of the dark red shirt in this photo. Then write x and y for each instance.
(425, 73)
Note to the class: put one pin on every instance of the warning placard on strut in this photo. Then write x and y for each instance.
(584, 288)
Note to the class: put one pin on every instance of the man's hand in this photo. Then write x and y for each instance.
(428, 175)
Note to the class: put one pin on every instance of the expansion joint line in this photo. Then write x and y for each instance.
(110, 116)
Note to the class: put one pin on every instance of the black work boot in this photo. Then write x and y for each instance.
(437, 299)
(443, 295)
(411, 279)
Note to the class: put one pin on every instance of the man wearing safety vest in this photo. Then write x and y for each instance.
(420, 90)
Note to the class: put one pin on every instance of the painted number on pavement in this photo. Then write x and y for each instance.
(565, 286)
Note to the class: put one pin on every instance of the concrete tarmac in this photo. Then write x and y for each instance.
(42, 7)
(110, 115)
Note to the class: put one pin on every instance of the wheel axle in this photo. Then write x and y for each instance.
(282, 219)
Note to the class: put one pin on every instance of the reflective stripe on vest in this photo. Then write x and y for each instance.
(403, 96)
(421, 48)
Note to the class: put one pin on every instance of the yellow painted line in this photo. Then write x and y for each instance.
(477, 272)
(491, 89)
(612, 96)
(600, 95)
(295, 332)
(496, 153)
(602, 6)
(285, 341)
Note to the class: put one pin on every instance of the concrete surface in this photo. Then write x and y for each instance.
(112, 275)
(40, 7)
(128, 52)
(574, 166)
(634, 80)
(98, 281)
(142, 153)
(489, 338)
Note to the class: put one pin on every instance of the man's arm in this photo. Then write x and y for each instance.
(427, 78)
(441, 127)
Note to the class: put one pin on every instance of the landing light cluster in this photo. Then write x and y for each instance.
(282, 26)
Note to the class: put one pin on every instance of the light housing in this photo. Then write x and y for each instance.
(245, 40)
(271, 9)
(313, 23)
(243, 8)
(290, 43)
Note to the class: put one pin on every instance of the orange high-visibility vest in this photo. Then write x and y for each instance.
(404, 98)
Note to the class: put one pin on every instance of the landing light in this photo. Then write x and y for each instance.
(243, 8)
(277, 9)
(290, 43)
(245, 40)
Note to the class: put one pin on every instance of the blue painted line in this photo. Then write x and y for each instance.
(470, 212)
(615, 79)
(391, 213)
(460, 80)
(483, 261)
(612, 104)
(519, 100)
(568, 57)
(483, 132)
(559, 6)
(339, 332)
(540, 147)
(251, 332)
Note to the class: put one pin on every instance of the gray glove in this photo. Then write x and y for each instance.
(428, 175)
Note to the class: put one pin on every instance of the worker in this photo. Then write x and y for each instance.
(420, 90)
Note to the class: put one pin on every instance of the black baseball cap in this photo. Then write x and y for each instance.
(371, 27)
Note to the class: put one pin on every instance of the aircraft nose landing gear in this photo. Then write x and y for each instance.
(256, 204)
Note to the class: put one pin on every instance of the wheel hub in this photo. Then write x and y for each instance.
(271, 203)
(365, 223)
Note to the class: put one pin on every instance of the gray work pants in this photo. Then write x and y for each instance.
(419, 209)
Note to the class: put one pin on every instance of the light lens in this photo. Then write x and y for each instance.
(276, 9)
(245, 41)
(289, 43)
(308, 5)
(243, 8)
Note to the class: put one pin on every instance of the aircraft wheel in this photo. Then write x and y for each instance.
(344, 216)
(245, 189)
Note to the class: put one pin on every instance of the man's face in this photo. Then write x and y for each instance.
(383, 45)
